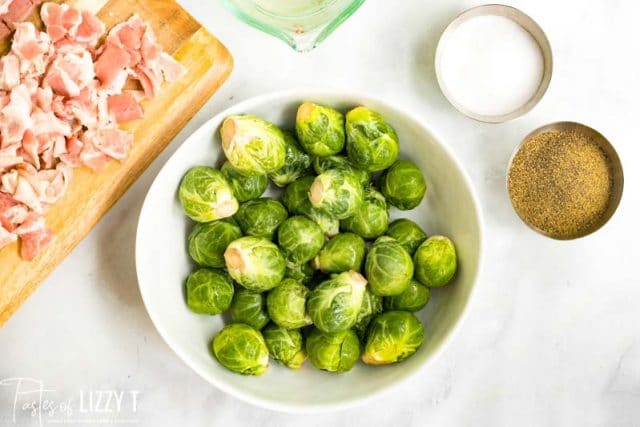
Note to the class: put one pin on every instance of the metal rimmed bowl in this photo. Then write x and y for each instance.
(615, 168)
(524, 21)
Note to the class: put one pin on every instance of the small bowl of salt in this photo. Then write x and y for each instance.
(493, 63)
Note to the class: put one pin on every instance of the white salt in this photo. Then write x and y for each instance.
(491, 65)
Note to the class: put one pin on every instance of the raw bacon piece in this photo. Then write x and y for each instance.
(115, 143)
(34, 236)
(32, 47)
(9, 72)
(6, 238)
(125, 107)
(70, 72)
(18, 11)
(111, 68)
(15, 117)
(69, 25)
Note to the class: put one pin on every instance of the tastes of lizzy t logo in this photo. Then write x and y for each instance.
(27, 401)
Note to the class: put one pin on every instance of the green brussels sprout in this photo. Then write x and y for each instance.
(323, 164)
(392, 337)
(208, 241)
(403, 185)
(300, 239)
(320, 129)
(261, 217)
(297, 163)
(329, 226)
(285, 345)
(249, 307)
(255, 263)
(287, 304)
(336, 193)
(302, 273)
(333, 351)
(205, 195)
(372, 219)
(342, 252)
(388, 267)
(371, 143)
(407, 233)
(335, 303)
(414, 298)
(371, 306)
(296, 199)
(209, 291)
(253, 146)
(240, 348)
(436, 261)
(245, 187)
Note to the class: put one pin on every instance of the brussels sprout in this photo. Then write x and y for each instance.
(245, 187)
(320, 129)
(392, 337)
(403, 185)
(249, 307)
(335, 303)
(240, 348)
(371, 306)
(329, 226)
(255, 263)
(261, 218)
(371, 143)
(323, 164)
(208, 241)
(388, 267)
(285, 345)
(287, 304)
(300, 239)
(253, 146)
(414, 298)
(372, 219)
(296, 199)
(302, 273)
(333, 351)
(209, 291)
(343, 252)
(205, 195)
(436, 261)
(336, 193)
(407, 233)
(297, 163)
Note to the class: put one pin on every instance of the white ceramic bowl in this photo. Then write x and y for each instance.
(450, 208)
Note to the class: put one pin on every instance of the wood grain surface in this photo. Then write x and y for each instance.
(90, 194)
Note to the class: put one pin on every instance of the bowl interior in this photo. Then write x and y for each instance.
(450, 208)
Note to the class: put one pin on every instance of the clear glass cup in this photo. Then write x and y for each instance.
(302, 24)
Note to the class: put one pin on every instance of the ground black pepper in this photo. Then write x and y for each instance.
(561, 183)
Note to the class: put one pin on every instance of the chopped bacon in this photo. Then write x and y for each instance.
(61, 100)
(9, 72)
(34, 236)
(18, 11)
(125, 107)
(6, 237)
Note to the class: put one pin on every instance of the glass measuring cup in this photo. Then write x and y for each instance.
(302, 24)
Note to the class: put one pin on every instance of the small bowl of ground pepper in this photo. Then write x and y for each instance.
(565, 180)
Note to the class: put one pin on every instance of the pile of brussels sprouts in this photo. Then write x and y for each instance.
(321, 273)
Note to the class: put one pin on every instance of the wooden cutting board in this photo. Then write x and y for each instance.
(90, 194)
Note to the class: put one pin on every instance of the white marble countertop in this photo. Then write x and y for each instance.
(552, 335)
